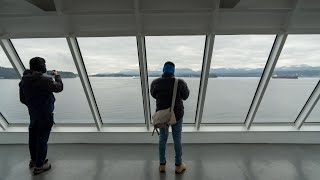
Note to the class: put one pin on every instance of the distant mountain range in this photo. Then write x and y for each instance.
(300, 70)
(129, 73)
(65, 74)
(10, 73)
(7, 73)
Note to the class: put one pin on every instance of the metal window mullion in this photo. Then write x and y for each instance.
(3, 122)
(265, 78)
(144, 78)
(13, 56)
(78, 60)
(204, 78)
(309, 106)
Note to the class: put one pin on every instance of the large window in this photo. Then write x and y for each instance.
(113, 68)
(71, 104)
(236, 67)
(296, 75)
(186, 52)
(10, 106)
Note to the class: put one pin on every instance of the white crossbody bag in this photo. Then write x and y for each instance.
(165, 117)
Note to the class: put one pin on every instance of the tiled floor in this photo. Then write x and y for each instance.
(140, 162)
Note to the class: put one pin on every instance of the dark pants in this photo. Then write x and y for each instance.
(38, 139)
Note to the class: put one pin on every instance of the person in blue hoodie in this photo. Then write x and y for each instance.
(162, 90)
(36, 92)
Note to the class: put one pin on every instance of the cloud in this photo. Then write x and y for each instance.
(241, 51)
(300, 49)
(109, 54)
(114, 54)
(54, 50)
(184, 51)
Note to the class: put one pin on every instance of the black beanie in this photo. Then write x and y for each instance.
(38, 64)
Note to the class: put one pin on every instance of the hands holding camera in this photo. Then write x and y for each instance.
(54, 72)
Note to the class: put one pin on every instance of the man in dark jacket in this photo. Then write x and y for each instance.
(162, 91)
(36, 92)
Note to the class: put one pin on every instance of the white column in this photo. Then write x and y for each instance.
(265, 78)
(12, 56)
(144, 78)
(77, 57)
(204, 78)
(3, 122)
(308, 107)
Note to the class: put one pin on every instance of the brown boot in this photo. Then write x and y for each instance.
(32, 164)
(162, 167)
(45, 167)
(182, 167)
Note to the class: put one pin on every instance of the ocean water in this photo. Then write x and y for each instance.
(119, 100)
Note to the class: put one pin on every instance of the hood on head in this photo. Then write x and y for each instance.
(29, 75)
(38, 64)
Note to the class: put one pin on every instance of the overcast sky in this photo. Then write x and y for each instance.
(114, 54)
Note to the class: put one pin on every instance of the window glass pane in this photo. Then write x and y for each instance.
(186, 52)
(296, 75)
(236, 67)
(71, 104)
(315, 114)
(10, 106)
(113, 68)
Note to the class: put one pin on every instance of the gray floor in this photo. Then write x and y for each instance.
(130, 162)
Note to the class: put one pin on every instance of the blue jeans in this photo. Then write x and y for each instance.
(176, 135)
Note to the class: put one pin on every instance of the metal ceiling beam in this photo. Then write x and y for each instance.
(265, 78)
(139, 24)
(216, 15)
(289, 21)
(44, 5)
(78, 60)
(58, 5)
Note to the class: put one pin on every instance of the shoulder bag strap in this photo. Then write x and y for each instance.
(175, 87)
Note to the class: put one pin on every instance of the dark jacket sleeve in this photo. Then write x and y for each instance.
(183, 89)
(22, 97)
(55, 86)
(153, 89)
